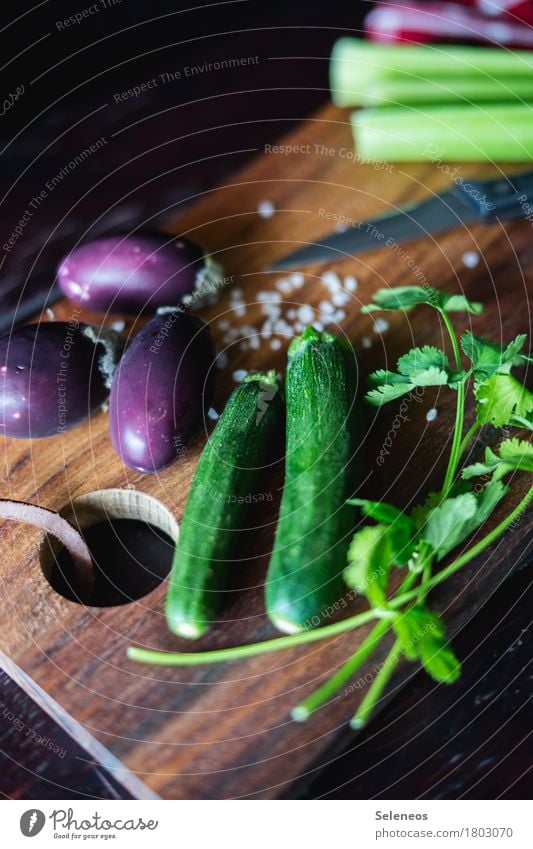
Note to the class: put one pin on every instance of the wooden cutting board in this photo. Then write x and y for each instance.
(224, 731)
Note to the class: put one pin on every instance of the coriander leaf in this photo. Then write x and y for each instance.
(490, 358)
(446, 525)
(370, 558)
(422, 636)
(400, 298)
(425, 366)
(501, 397)
(459, 303)
(402, 530)
(406, 297)
(420, 359)
(379, 510)
(514, 455)
(489, 497)
(387, 392)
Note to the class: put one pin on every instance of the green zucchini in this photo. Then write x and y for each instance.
(315, 524)
(222, 490)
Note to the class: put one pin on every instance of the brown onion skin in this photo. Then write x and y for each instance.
(161, 390)
(49, 379)
(131, 273)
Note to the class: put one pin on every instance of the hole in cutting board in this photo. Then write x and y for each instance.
(131, 536)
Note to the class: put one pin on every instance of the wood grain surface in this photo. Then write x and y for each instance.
(224, 731)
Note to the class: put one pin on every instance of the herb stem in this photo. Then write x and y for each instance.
(377, 687)
(468, 437)
(323, 694)
(455, 453)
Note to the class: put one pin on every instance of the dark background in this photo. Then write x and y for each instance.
(162, 148)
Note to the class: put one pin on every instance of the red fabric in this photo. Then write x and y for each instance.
(440, 21)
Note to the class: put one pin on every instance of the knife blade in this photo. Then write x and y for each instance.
(464, 203)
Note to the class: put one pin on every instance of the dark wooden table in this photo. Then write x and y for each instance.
(469, 741)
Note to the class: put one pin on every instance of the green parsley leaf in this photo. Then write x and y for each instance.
(489, 358)
(500, 398)
(407, 297)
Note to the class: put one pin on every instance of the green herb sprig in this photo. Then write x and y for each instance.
(416, 543)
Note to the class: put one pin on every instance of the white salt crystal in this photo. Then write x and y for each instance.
(266, 209)
(240, 310)
(118, 325)
(431, 415)
(366, 342)
(283, 285)
(332, 280)
(239, 375)
(222, 360)
(338, 316)
(340, 299)
(275, 344)
(291, 313)
(212, 414)
(350, 283)
(471, 259)
(380, 325)
(326, 307)
(254, 342)
(297, 279)
(318, 325)
(223, 324)
(305, 313)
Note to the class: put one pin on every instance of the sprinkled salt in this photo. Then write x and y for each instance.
(118, 325)
(240, 310)
(275, 344)
(266, 209)
(326, 307)
(50, 313)
(298, 327)
(332, 280)
(338, 316)
(431, 415)
(254, 342)
(239, 375)
(222, 360)
(212, 414)
(366, 342)
(235, 293)
(291, 313)
(350, 283)
(305, 313)
(297, 279)
(340, 298)
(471, 259)
(318, 325)
(283, 285)
(243, 345)
(223, 324)
(381, 325)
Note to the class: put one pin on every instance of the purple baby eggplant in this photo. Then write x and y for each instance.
(131, 273)
(52, 375)
(161, 388)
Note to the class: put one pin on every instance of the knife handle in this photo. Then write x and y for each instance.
(507, 197)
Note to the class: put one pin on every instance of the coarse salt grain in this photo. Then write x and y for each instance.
(350, 283)
(380, 325)
(318, 325)
(239, 375)
(291, 313)
(118, 325)
(223, 324)
(338, 316)
(431, 415)
(471, 259)
(332, 280)
(366, 342)
(222, 360)
(305, 313)
(340, 299)
(240, 311)
(297, 279)
(212, 414)
(275, 344)
(266, 209)
(326, 307)
(254, 342)
(284, 286)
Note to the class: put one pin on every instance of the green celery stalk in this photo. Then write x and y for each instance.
(404, 90)
(474, 133)
(356, 64)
